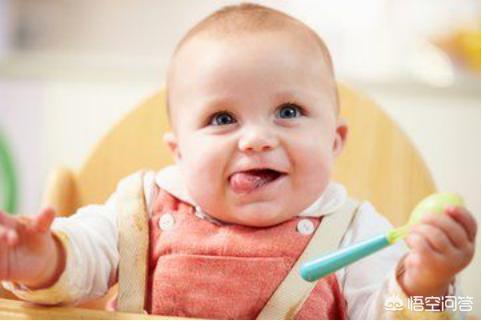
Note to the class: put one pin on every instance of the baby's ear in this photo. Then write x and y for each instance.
(171, 142)
(340, 136)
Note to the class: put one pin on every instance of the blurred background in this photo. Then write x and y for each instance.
(70, 69)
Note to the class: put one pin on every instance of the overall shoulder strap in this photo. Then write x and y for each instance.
(293, 291)
(133, 244)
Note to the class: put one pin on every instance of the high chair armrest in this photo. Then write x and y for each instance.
(61, 192)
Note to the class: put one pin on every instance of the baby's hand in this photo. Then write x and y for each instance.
(29, 253)
(441, 246)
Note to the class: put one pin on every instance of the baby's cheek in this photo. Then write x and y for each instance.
(313, 159)
(200, 153)
(314, 177)
(204, 169)
(313, 168)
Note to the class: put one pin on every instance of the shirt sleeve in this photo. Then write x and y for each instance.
(89, 238)
(370, 285)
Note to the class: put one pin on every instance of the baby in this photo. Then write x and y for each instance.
(254, 112)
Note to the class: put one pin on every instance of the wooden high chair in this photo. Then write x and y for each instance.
(379, 163)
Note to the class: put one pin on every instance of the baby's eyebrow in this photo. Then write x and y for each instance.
(296, 95)
(212, 104)
(287, 95)
(216, 102)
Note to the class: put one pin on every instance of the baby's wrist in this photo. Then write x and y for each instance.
(54, 266)
(414, 287)
(411, 288)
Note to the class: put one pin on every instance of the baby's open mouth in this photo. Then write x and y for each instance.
(250, 180)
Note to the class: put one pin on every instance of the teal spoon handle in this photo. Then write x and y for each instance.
(316, 269)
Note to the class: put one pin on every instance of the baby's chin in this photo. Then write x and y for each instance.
(257, 215)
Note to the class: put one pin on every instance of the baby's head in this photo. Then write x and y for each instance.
(254, 110)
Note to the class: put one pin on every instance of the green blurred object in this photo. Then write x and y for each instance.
(8, 183)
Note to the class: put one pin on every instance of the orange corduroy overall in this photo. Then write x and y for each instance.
(200, 269)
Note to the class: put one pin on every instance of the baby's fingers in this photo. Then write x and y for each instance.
(417, 242)
(7, 220)
(435, 237)
(465, 219)
(8, 235)
(452, 229)
(43, 221)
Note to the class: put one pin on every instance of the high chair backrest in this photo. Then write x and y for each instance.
(379, 162)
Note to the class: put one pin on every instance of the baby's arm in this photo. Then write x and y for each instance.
(89, 239)
(442, 245)
(369, 283)
(29, 253)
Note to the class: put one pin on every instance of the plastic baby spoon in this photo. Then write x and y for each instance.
(316, 269)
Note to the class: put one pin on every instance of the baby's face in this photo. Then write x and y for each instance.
(255, 125)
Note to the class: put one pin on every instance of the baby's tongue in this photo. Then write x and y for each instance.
(248, 181)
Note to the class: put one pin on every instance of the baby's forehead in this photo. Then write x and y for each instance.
(249, 46)
(290, 50)
(249, 56)
(288, 35)
(244, 21)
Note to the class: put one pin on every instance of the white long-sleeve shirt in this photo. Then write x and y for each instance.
(90, 239)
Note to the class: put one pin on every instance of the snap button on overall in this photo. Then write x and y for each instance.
(305, 227)
(166, 222)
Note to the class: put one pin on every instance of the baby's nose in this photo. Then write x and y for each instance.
(255, 140)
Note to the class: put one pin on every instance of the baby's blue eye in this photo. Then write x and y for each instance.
(222, 119)
(288, 111)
